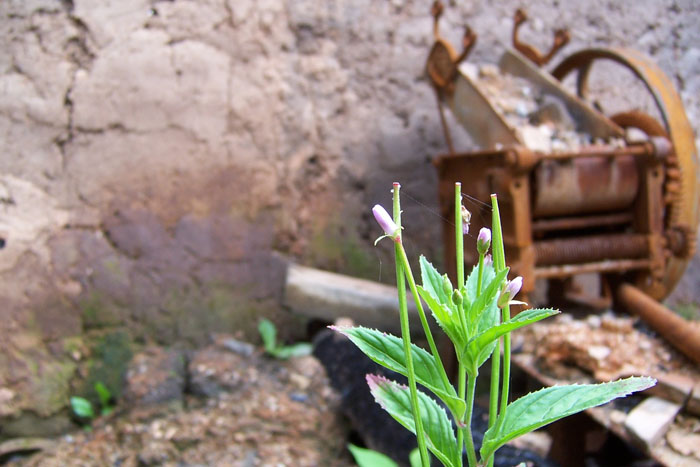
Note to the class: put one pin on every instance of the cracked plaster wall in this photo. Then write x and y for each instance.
(155, 154)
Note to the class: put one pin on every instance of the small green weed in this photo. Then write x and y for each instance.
(268, 332)
(83, 408)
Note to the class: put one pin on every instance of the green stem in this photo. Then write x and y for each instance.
(406, 333)
(500, 265)
(480, 276)
(459, 236)
(493, 395)
(459, 250)
(461, 379)
(471, 389)
(421, 314)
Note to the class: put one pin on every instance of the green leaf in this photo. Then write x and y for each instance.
(369, 458)
(103, 394)
(414, 458)
(396, 399)
(473, 279)
(547, 405)
(448, 321)
(433, 283)
(489, 293)
(476, 345)
(82, 407)
(268, 332)
(388, 351)
(291, 351)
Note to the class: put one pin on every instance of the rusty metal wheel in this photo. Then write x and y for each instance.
(682, 206)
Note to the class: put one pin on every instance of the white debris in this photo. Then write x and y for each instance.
(541, 121)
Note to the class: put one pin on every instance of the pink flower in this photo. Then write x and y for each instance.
(385, 221)
(511, 290)
(483, 241)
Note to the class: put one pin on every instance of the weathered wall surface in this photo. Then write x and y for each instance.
(155, 156)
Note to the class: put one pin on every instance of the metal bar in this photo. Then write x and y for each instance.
(683, 335)
(572, 223)
(577, 250)
(639, 149)
(567, 270)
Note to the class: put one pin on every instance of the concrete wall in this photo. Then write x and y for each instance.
(157, 157)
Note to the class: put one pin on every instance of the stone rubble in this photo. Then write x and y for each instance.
(247, 410)
(541, 121)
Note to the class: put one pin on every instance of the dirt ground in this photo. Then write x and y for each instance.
(258, 412)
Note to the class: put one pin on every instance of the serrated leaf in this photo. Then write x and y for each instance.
(82, 407)
(547, 405)
(473, 279)
(488, 294)
(388, 351)
(396, 399)
(479, 342)
(369, 458)
(446, 319)
(268, 332)
(433, 283)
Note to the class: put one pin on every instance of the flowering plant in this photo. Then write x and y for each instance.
(475, 315)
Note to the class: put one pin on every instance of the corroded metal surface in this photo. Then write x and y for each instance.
(680, 189)
(584, 249)
(625, 209)
(584, 185)
(561, 38)
(680, 333)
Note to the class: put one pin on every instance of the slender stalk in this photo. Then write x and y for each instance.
(459, 236)
(500, 264)
(463, 424)
(406, 333)
(459, 249)
(493, 395)
(471, 389)
(480, 275)
(421, 314)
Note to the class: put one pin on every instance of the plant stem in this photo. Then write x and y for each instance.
(462, 425)
(406, 332)
(500, 265)
(480, 276)
(459, 236)
(421, 314)
(471, 389)
(459, 250)
(493, 395)
(498, 262)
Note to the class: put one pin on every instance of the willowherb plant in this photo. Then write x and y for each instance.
(475, 315)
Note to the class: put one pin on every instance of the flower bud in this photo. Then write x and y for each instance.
(385, 221)
(483, 241)
(488, 260)
(446, 285)
(456, 297)
(511, 290)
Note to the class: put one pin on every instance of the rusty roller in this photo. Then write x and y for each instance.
(600, 202)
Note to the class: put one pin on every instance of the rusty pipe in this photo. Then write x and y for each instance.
(590, 248)
(683, 335)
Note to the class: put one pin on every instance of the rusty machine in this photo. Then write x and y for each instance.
(620, 201)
